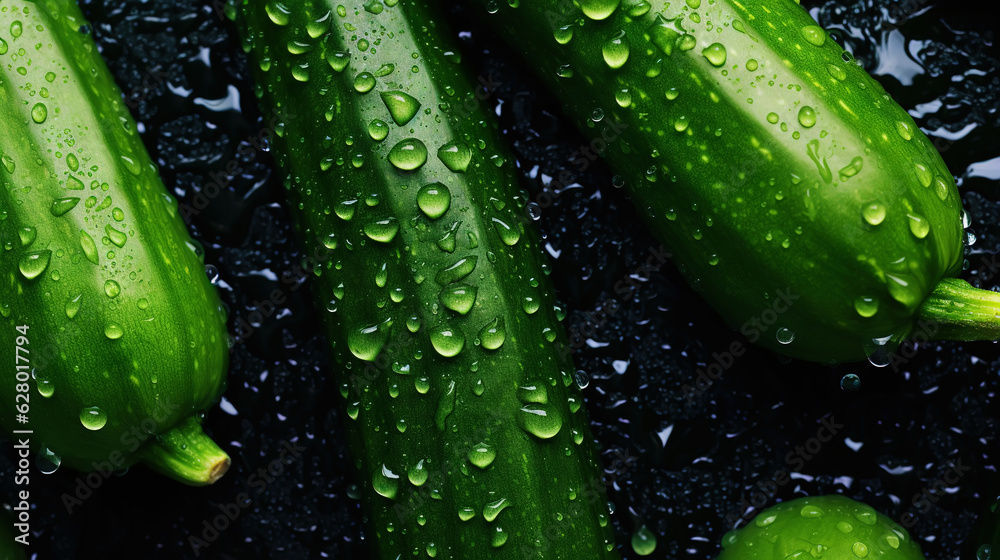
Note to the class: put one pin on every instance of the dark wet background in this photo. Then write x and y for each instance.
(679, 467)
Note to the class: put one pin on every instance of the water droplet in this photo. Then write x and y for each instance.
(408, 155)
(112, 289)
(482, 455)
(616, 50)
(904, 129)
(278, 12)
(499, 537)
(492, 509)
(644, 541)
(836, 71)
(402, 106)
(687, 42)
(811, 511)
(466, 513)
(434, 200)
(418, 474)
(873, 213)
(383, 231)
(784, 335)
(533, 392)
(459, 298)
(509, 235)
(866, 306)
(447, 341)
(73, 306)
(367, 342)
(117, 237)
(763, 520)
(456, 156)
(919, 226)
(540, 420)
(814, 34)
(378, 130)
(338, 60)
(715, 53)
(564, 34)
(365, 82)
(93, 418)
(807, 116)
(851, 169)
(113, 331)
(860, 549)
(843, 526)
(941, 187)
(493, 334)
(385, 482)
(39, 112)
(33, 264)
(46, 460)
(457, 271)
(88, 246)
(924, 174)
(598, 9)
(446, 405)
(27, 235)
(61, 206)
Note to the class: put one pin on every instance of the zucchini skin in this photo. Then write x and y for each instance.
(795, 195)
(477, 449)
(126, 336)
(833, 525)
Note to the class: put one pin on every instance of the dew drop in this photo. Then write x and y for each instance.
(113, 331)
(644, 541)
(434, 200)
(784, 335)
(482, 455)
(493, 334)
(378, 130)
(807, 116)
(447, 341)
(540, 420)
(716, 54)
(408, 155)
(383, 231)
(33, 264)
(814, 34)
(873, 213)
(402, 106)
(385, 482)
(598, 9)
(616, 50)
(61, 206)
(365, 82)
(93, 418)
(367, 342)
(112, 288)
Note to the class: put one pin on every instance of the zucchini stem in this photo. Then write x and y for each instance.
(186, 454)
(955, 310)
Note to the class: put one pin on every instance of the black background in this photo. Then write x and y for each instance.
(912, 419)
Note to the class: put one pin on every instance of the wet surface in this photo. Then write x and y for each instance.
(684, 465)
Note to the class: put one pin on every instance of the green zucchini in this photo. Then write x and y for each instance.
(830, 526)
(116, 336)
(803, 203)
(466, 424)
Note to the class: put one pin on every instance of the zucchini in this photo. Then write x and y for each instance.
(118, 337)
(803, 203)
(831, 526)
(463, 415)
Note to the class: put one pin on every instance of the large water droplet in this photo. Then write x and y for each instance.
(39, 112)
(366, 342)
(866, 306)
(807, 116)
(61, 206)
(492, 509)
(457, 271)
(851, 169)
(383, 231)
(365, 82)
(459, 298)
(873, 213)
(598, 9)
(540, 420)
(385, 482)
(446, 405)
(919, 226)
(644, 541)
(378, 130)
(434, 200)
(33, 264)
(814, 34)
(112, 288)
(456, 156)
(73, 306)
(482, 455)
(616, 50)
(278, 12)
(408, 155)
(47, 461)
(509, 235)
(402, 106)
(418, 474)
(493, 334)
(715, 53)
(93, 418)
(447, 341)
(113, 331)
